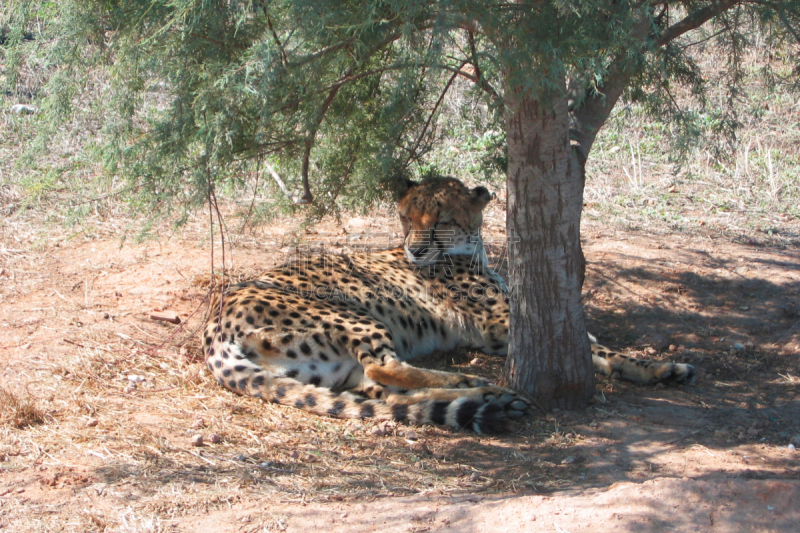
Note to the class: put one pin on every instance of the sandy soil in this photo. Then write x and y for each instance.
(121, 396)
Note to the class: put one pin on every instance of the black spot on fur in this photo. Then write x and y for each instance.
(305, 348)
(367, 411)
(258, 380)
(466, 413)
(218, 363)
(337, 408)
(266, 344)
(250, 320)
(400, 412)
(311, 401)
(315, 380)
(291, 354)
(240, 368)
(226, 372)
(439, 412)
(287, 339)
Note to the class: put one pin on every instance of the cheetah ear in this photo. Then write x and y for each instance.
(480, 196)
(404, 185)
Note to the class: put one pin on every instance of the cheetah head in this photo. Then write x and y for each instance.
(440, 217)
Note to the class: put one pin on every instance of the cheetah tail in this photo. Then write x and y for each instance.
(467, 412)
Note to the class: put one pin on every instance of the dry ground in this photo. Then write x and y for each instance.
(100, 403)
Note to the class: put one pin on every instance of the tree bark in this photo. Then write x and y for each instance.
(549, 353)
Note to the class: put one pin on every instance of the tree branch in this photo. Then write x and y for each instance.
(694, 20)
(275, 36)
(589, 117)
(413, 150)
(482, 83)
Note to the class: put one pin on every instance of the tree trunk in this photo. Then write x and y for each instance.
(548, 349)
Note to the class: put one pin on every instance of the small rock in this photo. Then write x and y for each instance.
(411, 435)
(198, 423)
(739, 347)
(673, 348)
(92, 422)
(744, 307)
(475, 476)
(791, 447)
(214, 438)
(568, 460)
(20, 490)
(22, 109)
(135, 378)
(475, 362)
(651, 351)
(197, 440)
(377, 431)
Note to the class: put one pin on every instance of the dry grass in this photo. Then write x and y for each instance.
(19, 412)
(129, 439)
(748, 191)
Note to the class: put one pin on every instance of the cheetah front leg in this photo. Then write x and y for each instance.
(391, 372)
(401, 384)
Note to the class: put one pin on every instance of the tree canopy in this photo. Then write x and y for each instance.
(342, 94)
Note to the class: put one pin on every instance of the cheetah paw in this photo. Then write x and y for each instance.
(675, 373)
(513, 405)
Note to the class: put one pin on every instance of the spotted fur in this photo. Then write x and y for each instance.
(332, 334)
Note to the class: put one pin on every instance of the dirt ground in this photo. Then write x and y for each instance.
(100, 403)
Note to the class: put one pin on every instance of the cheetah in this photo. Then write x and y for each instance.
(333, 334)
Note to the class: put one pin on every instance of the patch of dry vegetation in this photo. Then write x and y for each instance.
(19, 412)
